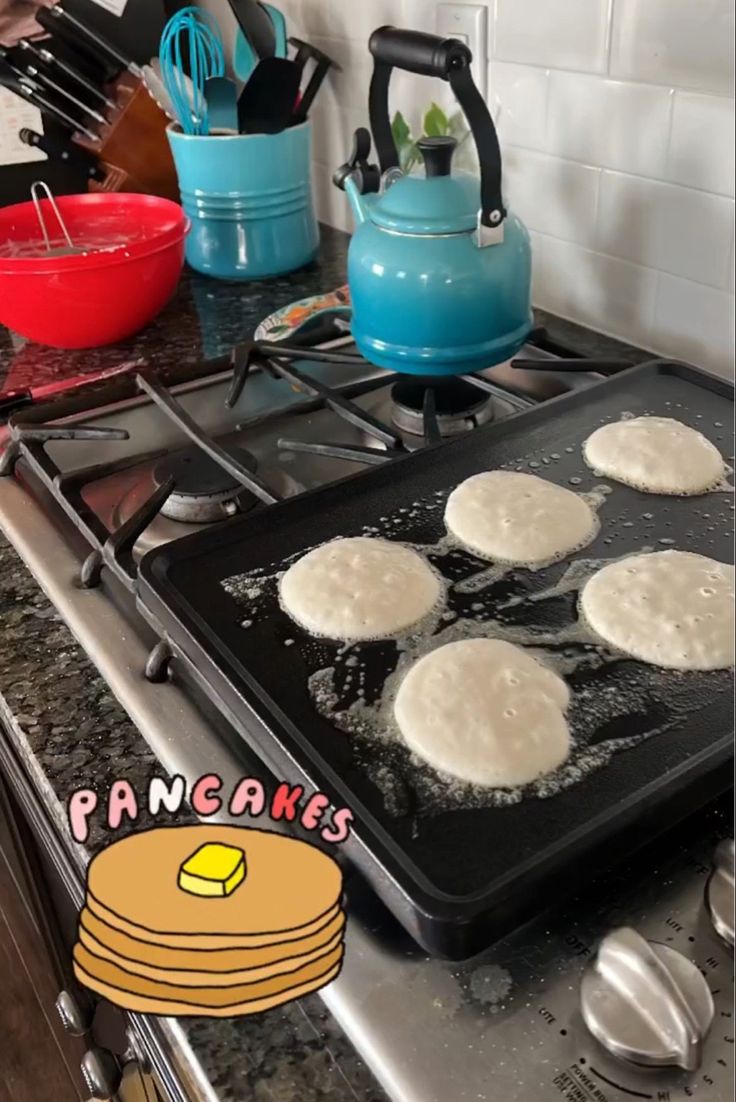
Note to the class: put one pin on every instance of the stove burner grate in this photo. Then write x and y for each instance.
(203, 491)
(454, 406)
(223, 480)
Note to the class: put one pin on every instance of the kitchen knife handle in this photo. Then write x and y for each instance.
(58, 148)
(51, 60)
(450, 60)
(14, 69)
(45, 82)
(47, 17)
(30, 95)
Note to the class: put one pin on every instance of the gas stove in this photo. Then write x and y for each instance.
(105, 473)
(287, 450)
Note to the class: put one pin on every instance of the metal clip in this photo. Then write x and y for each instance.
(488, 235)
(389, 178)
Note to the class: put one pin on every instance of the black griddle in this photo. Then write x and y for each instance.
(459, 878)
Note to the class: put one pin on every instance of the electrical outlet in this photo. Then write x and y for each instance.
(469, 23)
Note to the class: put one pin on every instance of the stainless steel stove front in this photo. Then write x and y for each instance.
(505, 1027)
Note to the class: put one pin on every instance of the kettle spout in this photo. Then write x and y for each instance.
(357, 201)
(357, 177)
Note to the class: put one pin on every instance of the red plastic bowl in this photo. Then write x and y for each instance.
(134, 253)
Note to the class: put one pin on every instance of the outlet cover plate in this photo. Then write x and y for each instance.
(468, 22)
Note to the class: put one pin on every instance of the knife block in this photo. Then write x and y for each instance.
(133, 147)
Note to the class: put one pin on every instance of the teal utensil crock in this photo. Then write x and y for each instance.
(249, 198)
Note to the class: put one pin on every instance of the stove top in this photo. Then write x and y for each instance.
(290, 450)
(105, 473)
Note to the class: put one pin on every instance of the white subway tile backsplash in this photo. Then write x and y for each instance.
(347, 84)
(695, 323)
(333, 128)
(676, 230)
(609, 122)
(421, 15)
(519, 103)
(292, 9)
(412, 95)
(567, 34)
(701, 153)
(552, 196)
(331, 204)
(346, 18)
(600, 291)
(688, 43)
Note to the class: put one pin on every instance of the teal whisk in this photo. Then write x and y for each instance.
(206, 59)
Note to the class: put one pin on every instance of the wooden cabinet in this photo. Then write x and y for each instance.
(41, 1049)
(39, 1059)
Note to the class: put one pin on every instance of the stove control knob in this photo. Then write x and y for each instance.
(101, 1073)
(76, 1013)
(646, 1003)
(719, 893)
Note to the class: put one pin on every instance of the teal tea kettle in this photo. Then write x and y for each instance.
(439, 271)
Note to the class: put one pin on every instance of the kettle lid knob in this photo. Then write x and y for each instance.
(437, 153)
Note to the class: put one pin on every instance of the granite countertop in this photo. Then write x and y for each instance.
(69, 730)
(205, 318)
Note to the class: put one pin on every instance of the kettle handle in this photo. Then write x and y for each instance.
(450, 60)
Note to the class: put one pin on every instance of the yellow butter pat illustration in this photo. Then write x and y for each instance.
(214, 870)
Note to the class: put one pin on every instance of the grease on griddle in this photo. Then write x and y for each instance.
(617, 703)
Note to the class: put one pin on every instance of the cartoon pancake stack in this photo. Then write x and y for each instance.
(209, 920)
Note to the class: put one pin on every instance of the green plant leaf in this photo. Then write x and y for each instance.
(401, 131)
(435, 122)
(411, 158)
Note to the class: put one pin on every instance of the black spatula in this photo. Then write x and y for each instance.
(267, 103)
(257, 26)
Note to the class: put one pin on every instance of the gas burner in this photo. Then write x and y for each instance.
(203, 492)
(459, 406)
